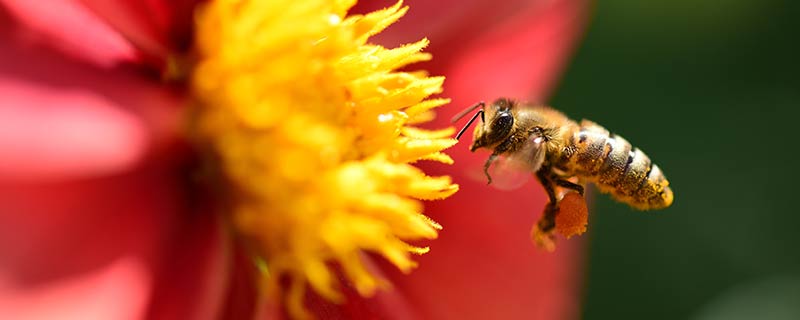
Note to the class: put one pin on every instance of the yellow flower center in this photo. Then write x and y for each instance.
(312, 128)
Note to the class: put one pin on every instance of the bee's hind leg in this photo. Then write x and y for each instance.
(569, 185)
(548, 221)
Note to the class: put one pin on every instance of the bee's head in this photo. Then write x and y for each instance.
(496, 123)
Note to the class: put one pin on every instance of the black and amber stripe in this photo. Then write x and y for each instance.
(611, 163)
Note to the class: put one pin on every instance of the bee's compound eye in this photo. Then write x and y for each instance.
(501, 126)
(503, 122)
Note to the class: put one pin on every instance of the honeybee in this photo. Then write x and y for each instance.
(557, 149)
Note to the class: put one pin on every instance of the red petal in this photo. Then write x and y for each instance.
(116, 248)
(490, 48)
(84, 249)
(115, 291)
(386, 304)
(522, 57)
(157, 27)
(195, 271)
(68, 27)
(484, 266)
(242, 296)
(60, 119)
(447, 23)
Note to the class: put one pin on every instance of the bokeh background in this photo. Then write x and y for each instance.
(710, 90)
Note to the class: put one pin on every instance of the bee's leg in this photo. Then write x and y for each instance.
(545, 178)
(486, 166)
(569, 185)
(548, 220)
(500, 149)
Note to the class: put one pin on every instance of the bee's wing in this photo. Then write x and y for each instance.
(513, 170)
(531, 155)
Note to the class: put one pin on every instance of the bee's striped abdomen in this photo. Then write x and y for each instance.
(615, 167)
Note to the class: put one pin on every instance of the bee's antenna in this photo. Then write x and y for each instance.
(461, 114)
(467, 110)
(464, 129)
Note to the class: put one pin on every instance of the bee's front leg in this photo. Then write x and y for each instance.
(500, 149)
(486, 166)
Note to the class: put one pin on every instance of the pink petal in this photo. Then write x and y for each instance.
(95, 295)
(488, 48)
(195, 267)
(242, 297)
(385, 304)
(60, 119)
(484, 265)
(63, 243)
(522, 57)
(123, 247)
(447, 23)
(157, 27)
(69, 28)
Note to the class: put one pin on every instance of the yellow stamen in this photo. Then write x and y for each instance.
(310, 125)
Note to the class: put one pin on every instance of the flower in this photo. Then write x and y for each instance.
(312, 126)
(96, 218)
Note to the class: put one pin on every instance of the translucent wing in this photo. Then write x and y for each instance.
(531, 155)
(508, 173)
(512, 170)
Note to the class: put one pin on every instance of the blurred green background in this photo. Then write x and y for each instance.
(710, 90)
